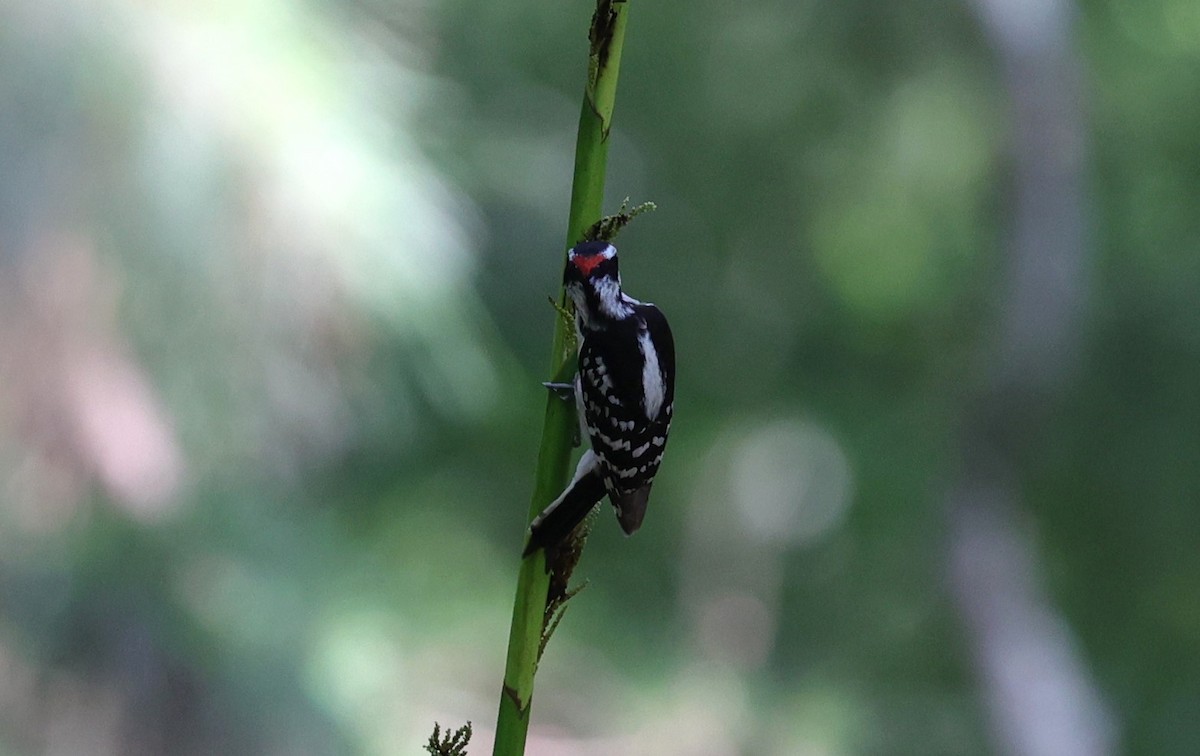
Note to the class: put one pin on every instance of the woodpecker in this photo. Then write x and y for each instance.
(624, 391)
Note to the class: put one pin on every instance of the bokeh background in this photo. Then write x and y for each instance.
(273, 282)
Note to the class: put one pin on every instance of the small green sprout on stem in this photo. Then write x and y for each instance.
(567, 316)
(450, 744)
(607, 228)
(561, 561)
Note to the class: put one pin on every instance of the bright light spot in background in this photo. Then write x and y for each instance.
(357, 670)
(824, 718)
(876, 252)
(888, 240)
(936, 135)
(238, 602)
(1163, 26)
(761, 491)
(345, 202)
(705, 710)
(738, 628)
(82, 406)
(263, 162)
(790, 481)
(1183, 24)
(1033, 24)
(127, 434)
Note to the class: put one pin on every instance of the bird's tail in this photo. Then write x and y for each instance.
(631, 509)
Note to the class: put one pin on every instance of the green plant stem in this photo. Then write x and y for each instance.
(587, 196)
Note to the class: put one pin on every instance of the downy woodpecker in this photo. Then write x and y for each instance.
(624, 390)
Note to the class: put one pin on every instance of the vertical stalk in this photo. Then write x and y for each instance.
(607, 36)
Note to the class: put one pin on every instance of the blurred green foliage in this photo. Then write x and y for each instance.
(273, 315)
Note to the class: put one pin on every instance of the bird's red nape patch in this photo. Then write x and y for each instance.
(587, 264)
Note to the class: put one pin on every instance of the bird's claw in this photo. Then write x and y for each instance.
(564, 391)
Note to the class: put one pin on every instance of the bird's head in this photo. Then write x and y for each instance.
(593, 282)
(591, 261)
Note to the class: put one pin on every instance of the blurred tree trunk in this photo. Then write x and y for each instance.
(1039, 695)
